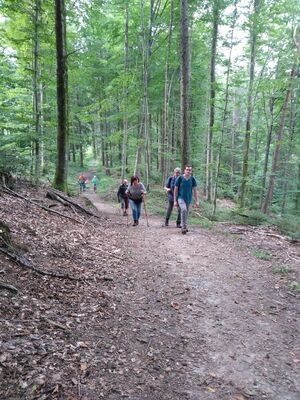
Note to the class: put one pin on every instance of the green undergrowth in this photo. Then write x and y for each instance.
(288, 225)
(282, 270)
(295, 287)
(261, 254)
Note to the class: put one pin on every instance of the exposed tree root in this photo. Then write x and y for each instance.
(24, 262)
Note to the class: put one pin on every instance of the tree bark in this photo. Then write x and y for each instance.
(244, 177)
(61, 173)
(286, 173)
(37, 96)
(166, 138)
(209, 155)
(184, 81)
(268, 145)
(297, 199)
(225, 111)
(269, 194)
(125, 92)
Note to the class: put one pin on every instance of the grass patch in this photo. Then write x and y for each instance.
(261, 254)
(282, 270)
(202, 221)
(295, 287)
(108, 187)
(156, 201)
(252, 217)
(288, 225)
(89, 204)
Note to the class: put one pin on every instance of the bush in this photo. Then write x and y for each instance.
(289, 225)
(256, 217)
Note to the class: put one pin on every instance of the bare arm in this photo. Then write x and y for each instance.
(175, 196)
(196, 196)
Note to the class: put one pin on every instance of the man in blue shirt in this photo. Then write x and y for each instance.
(185, 187)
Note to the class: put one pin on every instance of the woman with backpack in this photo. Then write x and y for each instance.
(136, 192)
(82, 183)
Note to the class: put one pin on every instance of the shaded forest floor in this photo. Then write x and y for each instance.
(143, 312)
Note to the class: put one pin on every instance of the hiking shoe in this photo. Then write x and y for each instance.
(184, 231)
(178, 226)
(166, 222)
(134, 223)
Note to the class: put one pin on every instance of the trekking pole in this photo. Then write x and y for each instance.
(145, 211)
(126, 209)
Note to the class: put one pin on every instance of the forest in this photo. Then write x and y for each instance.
(146, 86)
(94, 305)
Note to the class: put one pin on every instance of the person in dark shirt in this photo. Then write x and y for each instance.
(122, 196)
(169, 188)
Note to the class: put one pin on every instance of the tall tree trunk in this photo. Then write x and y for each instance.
(269, 194)
(80, 134)
(225, 111)
(158, 142)
(80, 143)
(268, 145)
(61, 173)
(125, 92)
(37, 95)
(106, 147)
(144, 133)
(161, 141)
(244, 177)
(138, 155)
(166, 150)
(297, 198)
(142, 126)
(292, 123)
(209, 155)
(94, 142)
(73, 153)
(233, 131)
(184, 81)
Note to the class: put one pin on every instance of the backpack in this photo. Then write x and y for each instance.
(169, 183)
(122, 190)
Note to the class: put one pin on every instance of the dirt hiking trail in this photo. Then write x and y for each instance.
(199, 316)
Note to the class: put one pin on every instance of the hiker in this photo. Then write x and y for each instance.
(136, 192)
(122, 196)
(95, 183)
(169, 188)
(82, 183)
(185, 187)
